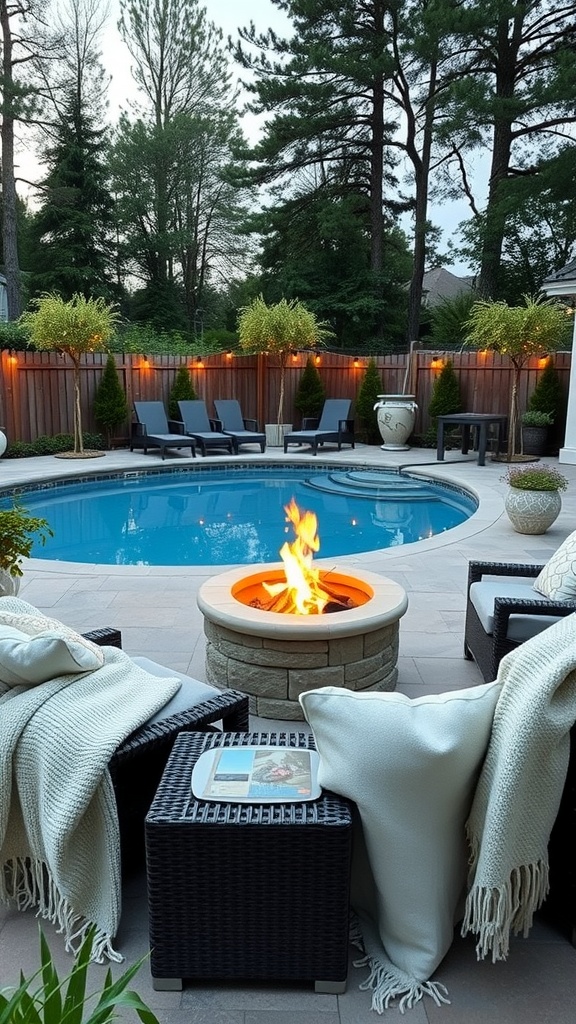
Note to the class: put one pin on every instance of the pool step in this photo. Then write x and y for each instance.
(376, 486)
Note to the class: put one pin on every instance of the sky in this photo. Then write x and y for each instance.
(229, 15)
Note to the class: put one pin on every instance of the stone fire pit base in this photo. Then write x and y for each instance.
(274, 658)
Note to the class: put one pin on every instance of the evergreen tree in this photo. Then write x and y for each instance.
(371, 386)
(310, 394)
(72, 230)
(446, 397)
(549, 397)
(110, 405)
(182, 391)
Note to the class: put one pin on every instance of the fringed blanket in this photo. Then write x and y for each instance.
(59, 836)
(520, 788)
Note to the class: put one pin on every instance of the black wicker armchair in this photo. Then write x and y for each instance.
(137, 765)
(514, 618)
(518, 612)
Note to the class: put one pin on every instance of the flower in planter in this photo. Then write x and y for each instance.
(536, 478)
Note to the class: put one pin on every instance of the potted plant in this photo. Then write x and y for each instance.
(519, 332)
(18, 529)
(71, 328)
(535, 426)
(533, 499)
(279, 329)
(45, 998)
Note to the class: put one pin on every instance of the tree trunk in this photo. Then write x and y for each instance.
(9, 218)
(78, 439)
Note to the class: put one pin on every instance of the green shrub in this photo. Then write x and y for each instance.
(370, 387)
(182, 391)
(448, 321)
(18, 529)
(536, 478)
(110, 405)
(310, 394)
(51, 445)
(535, 418)
(445, 397)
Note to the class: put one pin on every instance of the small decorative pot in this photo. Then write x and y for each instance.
(532, 511)
(3, 442)
(534, 440)
(396, 416)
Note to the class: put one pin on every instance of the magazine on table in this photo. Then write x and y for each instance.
(256, 775)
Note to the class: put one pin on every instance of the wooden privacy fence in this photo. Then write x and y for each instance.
(37, 388)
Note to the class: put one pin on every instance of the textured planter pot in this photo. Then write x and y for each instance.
(532, 511)
(396, 416)
(275, 434)
(534, 440)
(3, 442)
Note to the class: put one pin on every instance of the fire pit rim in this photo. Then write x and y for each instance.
(217, 604)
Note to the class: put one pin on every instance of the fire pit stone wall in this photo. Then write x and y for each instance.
(274, 658)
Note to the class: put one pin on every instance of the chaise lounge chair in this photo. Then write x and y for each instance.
(334, 426)
(154, 430)
(202, 429)
(243, 431)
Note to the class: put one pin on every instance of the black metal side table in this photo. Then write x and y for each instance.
(246, 891)
(475, 420)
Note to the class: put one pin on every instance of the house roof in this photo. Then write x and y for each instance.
(439, 283)
(565, 274)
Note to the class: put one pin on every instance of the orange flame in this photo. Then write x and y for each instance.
(303, 592)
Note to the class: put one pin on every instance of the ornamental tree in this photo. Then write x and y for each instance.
(538, 327)
(71, 328)
(279, 329)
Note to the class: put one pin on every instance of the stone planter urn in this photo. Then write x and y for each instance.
(9, 585)
(3, 442)
(396, 415)
(532, 512)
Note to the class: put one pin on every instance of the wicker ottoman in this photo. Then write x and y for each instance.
(251, 891)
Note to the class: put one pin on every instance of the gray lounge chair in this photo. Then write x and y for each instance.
(243, 431)
(334, 425)
(198, 425)
(154, 430)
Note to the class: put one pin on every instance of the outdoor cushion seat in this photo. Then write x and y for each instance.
(232, 422)
(333, 426)
(153, 429)
(198, 425)
(502, 613)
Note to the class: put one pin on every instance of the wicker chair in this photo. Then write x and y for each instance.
(514, 619)
(137, 765)
(518, 612)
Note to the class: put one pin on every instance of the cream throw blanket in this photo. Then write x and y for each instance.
(520, 787)
(59, 836)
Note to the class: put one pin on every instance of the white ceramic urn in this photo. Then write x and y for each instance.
(396, 418)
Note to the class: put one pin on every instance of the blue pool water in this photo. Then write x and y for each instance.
(236, 516)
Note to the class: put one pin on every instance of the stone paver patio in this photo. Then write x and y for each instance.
(156, 610)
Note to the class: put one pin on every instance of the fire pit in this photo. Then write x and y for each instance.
(282, 629)
(273, 657)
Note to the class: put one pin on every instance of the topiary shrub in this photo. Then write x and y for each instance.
(310, 394)
(110, 405)
(182, 391)
(549, 397)
(370, 387)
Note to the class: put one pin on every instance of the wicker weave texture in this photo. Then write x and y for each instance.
(255, 891)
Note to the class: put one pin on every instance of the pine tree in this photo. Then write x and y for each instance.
(110, 405)
(370, 387)
(310, 394)
(182, 391)
(71, 232)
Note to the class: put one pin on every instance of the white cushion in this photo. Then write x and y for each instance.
(557, 579)
(411, 766)
(28, 659)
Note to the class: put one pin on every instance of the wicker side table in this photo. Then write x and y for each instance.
(250, 891)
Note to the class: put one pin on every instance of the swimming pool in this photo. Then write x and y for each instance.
(235, 516)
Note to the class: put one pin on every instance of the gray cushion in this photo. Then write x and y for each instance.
(191, 692)
(520, 627)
